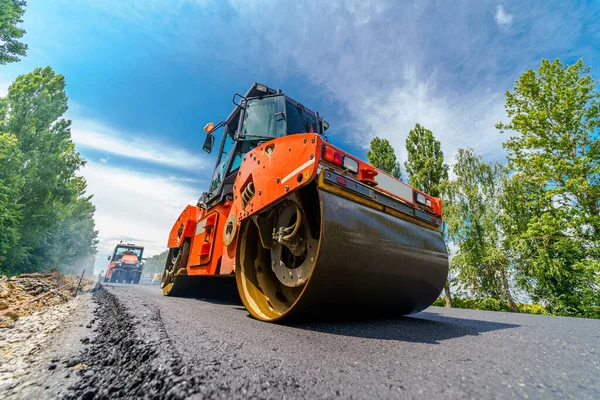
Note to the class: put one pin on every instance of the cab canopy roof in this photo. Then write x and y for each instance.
(260, 90)
(131, 245)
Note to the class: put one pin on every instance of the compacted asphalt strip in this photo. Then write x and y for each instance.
(211, 348)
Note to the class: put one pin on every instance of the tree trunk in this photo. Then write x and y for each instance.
(511, 302)
(447, 294)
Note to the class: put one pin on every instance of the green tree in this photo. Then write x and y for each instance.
(381, 155)
(472, 213)
(11, 12)
(425, 161)
(73, 239)
(52, 197)
(554, 150)
(156, 263)
(10, 213)
(426, 169)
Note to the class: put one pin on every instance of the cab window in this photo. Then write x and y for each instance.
(299, 120)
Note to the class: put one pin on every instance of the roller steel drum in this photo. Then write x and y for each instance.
(368, 264)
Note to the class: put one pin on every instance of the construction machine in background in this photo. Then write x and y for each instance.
(126, 264)
(301, 227)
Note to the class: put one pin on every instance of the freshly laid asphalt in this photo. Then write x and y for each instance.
(436, 354)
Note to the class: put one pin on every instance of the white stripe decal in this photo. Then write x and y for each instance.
(300, 168)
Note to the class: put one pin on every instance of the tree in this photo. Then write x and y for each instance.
(10, 212)
(472, 214)
(56, 225)
(425, 161)
(382, 156)
(73, 239)
(554, 149)
(426, 169)
(156, 263)
(11, 12)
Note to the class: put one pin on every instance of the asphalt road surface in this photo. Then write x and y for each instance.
(436, 354)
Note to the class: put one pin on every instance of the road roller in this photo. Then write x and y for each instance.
(300, 227)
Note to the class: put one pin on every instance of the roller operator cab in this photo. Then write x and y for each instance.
(126, 264)
(302, 228)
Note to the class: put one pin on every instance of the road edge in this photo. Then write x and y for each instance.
(129, 356)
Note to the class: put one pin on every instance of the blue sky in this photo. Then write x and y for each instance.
(144, 76)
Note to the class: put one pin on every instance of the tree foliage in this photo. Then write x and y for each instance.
(55, 215)
(381, 155)
(10, 188)
(554, 150)
(156, 263)
(11, 12)
(425, 161)
(426, 169)
(472, 213)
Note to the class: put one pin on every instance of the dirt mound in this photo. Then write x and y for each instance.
(27, 293)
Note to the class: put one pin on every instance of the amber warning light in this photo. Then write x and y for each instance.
(208, 128)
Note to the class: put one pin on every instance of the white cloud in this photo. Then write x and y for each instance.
(456, 123)
(391, 67)
(502, 17)
(93, 135)
(395, 64)
(135, 207)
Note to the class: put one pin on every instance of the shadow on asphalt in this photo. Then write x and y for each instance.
(425, 327)
(233, 300)
(211, 289)
(216, 291)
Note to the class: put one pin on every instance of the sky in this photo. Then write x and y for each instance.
(145, 76)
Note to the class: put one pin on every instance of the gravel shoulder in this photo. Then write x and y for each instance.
(35, 350)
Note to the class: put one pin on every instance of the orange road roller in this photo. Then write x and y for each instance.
(302, 228)
(126, 264)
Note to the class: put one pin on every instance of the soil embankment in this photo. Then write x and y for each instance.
(26, 294)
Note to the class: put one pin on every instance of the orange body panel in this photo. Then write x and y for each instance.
(129, 258)
(207, 241)
(276, 169)
(184, 227)
(268, 173)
